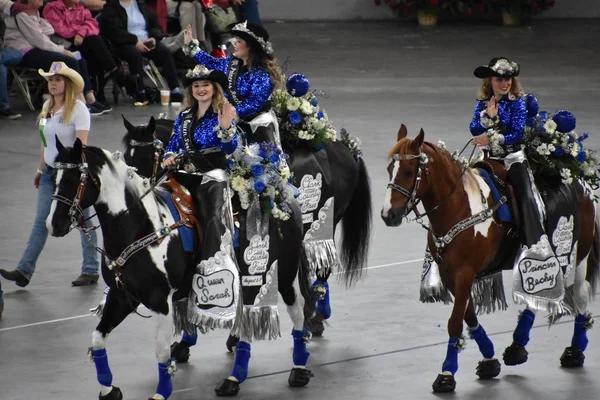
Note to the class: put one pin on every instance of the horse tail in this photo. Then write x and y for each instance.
(593, 262)
(356, 228)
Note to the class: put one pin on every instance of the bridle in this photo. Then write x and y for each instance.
(158, 147)
(75, 210)
(413, 200)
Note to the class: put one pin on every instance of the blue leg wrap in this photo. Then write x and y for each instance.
(189, 339)
(486, 347)
(323, 304)
(300, 355)
(451, 362)
(165, 384)
(580, 339)
(242, 359)
(521, 334)
(102, 368)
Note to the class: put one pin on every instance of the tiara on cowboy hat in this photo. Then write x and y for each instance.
(201, 73)
(60, 68)
(501, 67)
(253, 34)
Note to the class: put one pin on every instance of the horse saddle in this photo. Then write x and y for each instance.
(182, 205)
(494, 173)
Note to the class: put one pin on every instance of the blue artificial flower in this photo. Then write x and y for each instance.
(313, 102)
(559, 151)
(257, 170)
(295, 117)
(583, 137)
(320, 115)
(581, 156)
(263, 154)
(571, 138)
(274, 158)
(259, 186)
(291, 180)
(271, 204)
(230, 163)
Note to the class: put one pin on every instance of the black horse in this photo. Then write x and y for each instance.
(340, 176)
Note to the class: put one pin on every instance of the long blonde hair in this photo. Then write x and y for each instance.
(68, 106)
(217, 101)
(486, 91)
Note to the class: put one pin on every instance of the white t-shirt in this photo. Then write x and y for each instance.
(80, 121)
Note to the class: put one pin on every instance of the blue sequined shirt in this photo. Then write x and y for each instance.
(253, 86)
(512, 116)
(205, 135)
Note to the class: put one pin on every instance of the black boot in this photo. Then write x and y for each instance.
(15, 276)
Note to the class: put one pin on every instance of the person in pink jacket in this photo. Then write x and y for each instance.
(74, 23)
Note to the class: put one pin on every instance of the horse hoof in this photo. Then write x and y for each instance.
(299, 377)
(228, 388)
(180, 351)
(231, 343)
(488, 369)
(444, 384)
(515, 354)
(572, 358)
(114, 394)
(316, 326)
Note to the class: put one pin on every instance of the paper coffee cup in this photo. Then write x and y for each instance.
(165, 95)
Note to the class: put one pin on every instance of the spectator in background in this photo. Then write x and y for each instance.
(30, 34)
(73, 22)
(159, 8)
(248, 10)
(94, 5)
(189, 13)
(8, 57)
(134, 32)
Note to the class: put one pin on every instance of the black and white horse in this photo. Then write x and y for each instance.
(340, 175)
(145, 258)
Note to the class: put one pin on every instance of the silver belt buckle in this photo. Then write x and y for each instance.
(189, 168)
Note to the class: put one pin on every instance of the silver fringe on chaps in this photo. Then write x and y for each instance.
(538, 279)
(260, 321)
(215, 290)
(319, 245)
(487, 293)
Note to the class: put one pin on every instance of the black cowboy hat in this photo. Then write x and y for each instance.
(255, 35)
(201, 73)
(501, 67)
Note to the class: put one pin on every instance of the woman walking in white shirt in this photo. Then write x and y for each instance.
(66, 118)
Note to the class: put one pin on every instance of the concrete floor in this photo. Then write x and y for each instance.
(381, 343)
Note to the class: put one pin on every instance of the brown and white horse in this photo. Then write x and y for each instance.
(452, 193)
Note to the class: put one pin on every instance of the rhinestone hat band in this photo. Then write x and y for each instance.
(266, 45)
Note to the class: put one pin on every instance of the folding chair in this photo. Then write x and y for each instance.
(25, 76)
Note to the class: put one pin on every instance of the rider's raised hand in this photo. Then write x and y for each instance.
(226, 115)
(187, 35)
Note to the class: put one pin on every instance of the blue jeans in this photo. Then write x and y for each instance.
(250, 12)
(39, 233)
(8, 57)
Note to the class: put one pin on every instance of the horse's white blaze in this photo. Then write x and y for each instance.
(474, 186)
(59, 175)
(387, 205)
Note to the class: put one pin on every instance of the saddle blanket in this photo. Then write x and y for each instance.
(503, 212)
